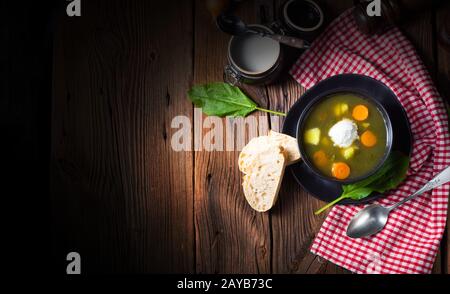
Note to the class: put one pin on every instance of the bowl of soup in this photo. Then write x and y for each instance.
(344, 136)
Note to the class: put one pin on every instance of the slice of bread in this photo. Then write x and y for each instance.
(263, 161)
(263, 178)
(289, 144)
(252, 149)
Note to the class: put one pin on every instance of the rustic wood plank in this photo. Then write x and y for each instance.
(122, 197)
(443, 83)
(294, 225)
(230, 236)
(420, 31)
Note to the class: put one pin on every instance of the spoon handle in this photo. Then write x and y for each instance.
(440, 179)
(290, 41)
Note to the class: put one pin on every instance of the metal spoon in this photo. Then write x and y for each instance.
(233, 25)
(373, 218)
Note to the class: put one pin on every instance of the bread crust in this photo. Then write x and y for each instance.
(262, 184)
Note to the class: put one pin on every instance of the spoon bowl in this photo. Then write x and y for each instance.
(368, 221)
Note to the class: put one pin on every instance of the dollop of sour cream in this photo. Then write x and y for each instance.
(343, 133)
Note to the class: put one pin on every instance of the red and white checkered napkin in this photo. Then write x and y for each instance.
(410, 240)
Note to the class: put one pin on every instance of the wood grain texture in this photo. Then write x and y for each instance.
(230, 236)
(122, 197)
(421, 32)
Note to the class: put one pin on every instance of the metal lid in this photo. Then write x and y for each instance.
(253, 54)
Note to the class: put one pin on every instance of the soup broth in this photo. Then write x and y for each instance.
(356, 122)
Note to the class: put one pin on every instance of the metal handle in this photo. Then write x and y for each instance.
(290, 41)
(440, 179)
(231, 76)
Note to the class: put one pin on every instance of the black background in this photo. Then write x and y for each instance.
(26, 66)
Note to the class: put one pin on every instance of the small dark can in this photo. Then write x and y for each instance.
(301, 18)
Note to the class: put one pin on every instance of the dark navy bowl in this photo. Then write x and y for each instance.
(399, 134)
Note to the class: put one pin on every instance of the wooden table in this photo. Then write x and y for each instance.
(129, 203)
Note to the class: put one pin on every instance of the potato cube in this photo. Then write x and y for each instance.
(312, 136)
(337, 110)
(340, 109)
(348, 152)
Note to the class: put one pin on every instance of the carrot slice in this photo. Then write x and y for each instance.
(360, 112)
(368, 139)
(320, 158)
(340, 170)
